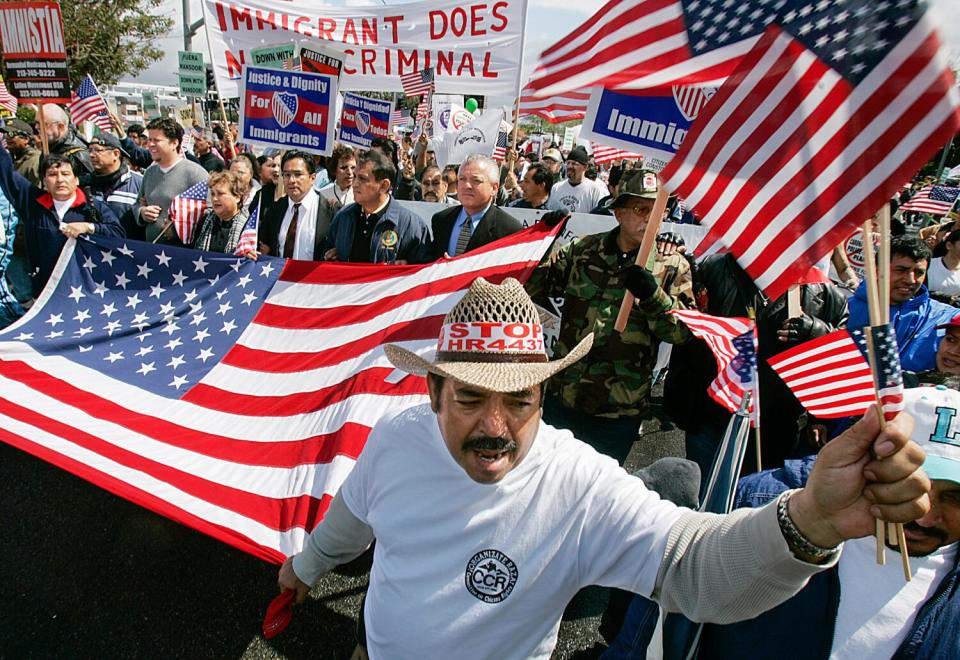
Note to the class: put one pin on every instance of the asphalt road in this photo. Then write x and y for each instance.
(87, 574)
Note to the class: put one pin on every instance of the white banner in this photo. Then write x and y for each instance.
(474, 47)
(477, 137)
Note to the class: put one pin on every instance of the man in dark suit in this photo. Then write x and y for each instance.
(477, 221)
(295, 225)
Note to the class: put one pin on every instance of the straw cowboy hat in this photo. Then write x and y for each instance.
(493, 339)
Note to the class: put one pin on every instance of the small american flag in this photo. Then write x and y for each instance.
(293, 64)
(500, 150)
(418, 83)
(88, 105)
(733, 342)
(831, 375)
(248, 237)
(187, 208)
(603, 154)
(401, 116)
(781, 163)
(7, 100)
(935, 200)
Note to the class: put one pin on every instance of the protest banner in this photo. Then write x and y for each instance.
(477, 137)
(474, 47)
(273, 57)
(320, 60)
(192, 73)
(288, 109)
(363, 119)
(648, 122)
(34, 53)
(570, 135)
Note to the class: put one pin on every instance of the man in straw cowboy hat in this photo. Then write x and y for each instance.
(488, 521)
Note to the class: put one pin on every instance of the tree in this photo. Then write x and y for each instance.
(111, 38)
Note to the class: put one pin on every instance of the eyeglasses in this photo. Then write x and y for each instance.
(639, 210)
(293, 175)
(99, 150)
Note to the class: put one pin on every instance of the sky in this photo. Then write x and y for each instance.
(547, 22)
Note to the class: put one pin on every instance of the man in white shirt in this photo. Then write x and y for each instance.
(295, 225)
(488, 521)
(577, 193)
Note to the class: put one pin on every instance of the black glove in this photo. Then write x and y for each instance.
(670, 238)
(803, 328)
(640, 282)
(554, 218)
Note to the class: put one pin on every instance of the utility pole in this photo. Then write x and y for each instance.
(189, 29)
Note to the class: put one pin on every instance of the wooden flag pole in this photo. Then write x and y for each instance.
(878, 303)
(646, 245)
(43, 129)
(516, 125)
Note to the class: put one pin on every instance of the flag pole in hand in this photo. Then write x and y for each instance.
(878, 304)
(649, 239)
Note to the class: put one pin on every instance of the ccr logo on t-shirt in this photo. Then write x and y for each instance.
(490, 576)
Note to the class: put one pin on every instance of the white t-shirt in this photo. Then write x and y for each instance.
(941, 279)
(62, 206)
(467, 570)
(581, 198)
(877, 606)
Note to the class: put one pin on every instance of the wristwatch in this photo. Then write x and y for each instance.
(802, 547)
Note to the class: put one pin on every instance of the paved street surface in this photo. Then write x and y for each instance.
(87, 574)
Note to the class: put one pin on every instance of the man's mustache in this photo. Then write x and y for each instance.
(932, 532)
(490, 443)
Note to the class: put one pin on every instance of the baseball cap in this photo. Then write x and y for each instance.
(642, 184)
(952, 323)
(552, 153)
(936, 415)
(110, 141)
(579, 155)
(17, 127)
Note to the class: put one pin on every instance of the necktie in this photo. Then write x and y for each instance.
(466, 232)
(291, 233)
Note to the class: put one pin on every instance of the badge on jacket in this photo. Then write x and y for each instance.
(389, 239)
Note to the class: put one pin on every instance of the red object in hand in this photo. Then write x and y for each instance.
(279, 613)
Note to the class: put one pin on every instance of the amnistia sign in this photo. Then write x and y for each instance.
(647, 122)
(474, 46)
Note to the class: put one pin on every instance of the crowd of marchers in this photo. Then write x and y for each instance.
(345, 207)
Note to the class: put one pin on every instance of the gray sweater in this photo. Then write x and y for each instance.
(159, 189)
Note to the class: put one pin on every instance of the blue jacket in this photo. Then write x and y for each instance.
(41, 225)
(803, 626)
(412, 241)
(915, 322)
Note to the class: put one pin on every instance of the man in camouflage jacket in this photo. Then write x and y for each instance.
(603, 397)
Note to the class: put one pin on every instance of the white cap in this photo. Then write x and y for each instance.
(936, 413)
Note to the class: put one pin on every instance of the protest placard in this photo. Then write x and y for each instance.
(192, 73)
(287, 109)
(474, 47)
(648, 122)
(320, 60)
(273, 57)
(363, 119)
(33, 51)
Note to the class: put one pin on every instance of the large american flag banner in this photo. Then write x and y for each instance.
(733, 342)
(87, 104)
(816, 130)
(230, 395)
(831, 375)
(187, 209)
(568, 106)
(935, 200)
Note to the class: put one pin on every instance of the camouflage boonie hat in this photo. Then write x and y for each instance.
(638, 183)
